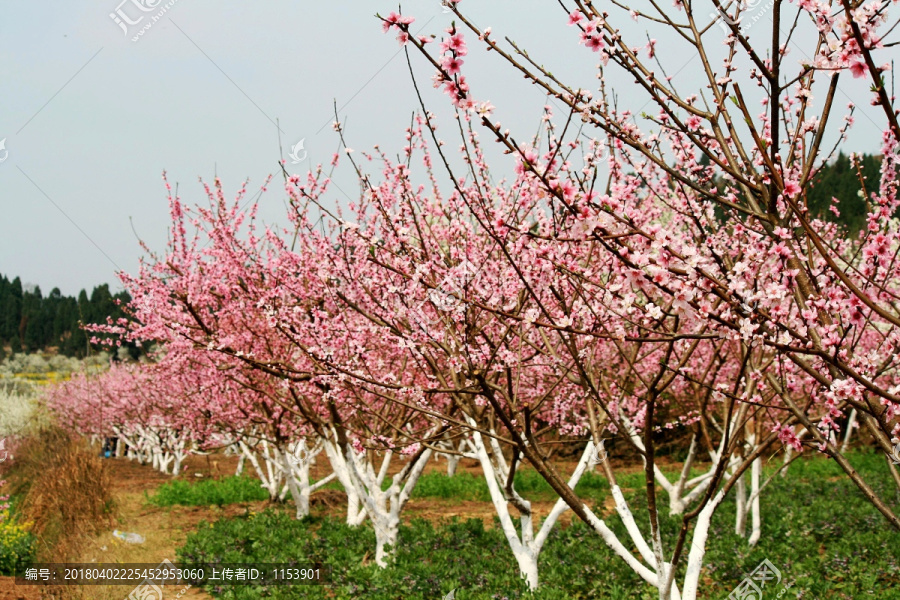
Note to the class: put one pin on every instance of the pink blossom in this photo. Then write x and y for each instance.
(859, 69)
(451, 64)
(593, 41)
(791, 188)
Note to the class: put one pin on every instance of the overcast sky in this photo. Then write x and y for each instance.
(91, 118)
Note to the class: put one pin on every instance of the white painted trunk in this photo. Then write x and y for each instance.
(740, 517)
(851, 422)
(387, 527)
(755, 472)
(267, 481)
(679, 497)
(356, 514)
(698, 548)
(452, 462)
(528, 566)
(295, 461)
(299, 493)
(525, 546)
(382, 506)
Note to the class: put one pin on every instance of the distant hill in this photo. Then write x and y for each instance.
(30, 321)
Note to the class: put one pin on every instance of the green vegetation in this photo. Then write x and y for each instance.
(465, 486)
(17, 546)
(208, 492)
(826, 540)
(841, 180)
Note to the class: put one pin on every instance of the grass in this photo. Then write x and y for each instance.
(462, 486)
(209, 492)
(465, 486)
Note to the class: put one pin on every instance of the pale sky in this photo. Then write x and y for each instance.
(91, 119)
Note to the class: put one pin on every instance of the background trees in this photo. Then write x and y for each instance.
(30, 321)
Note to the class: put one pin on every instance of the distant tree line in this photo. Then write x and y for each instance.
(30, 321)
(840, 179)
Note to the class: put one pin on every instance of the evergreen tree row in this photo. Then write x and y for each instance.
(30, 321)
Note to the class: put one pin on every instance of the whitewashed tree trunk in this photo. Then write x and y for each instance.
(851, 423)
(127, 443)
(755, 472)
(296, 460)
(452, 463)
(356, 514)
(165, 459)
(740, 518)
(679, 496)
(698, 547)
(274, 473)
(267, 477)
(525, 546)
(382, 506)
(454, 458)
(649, 563)
(179, 455)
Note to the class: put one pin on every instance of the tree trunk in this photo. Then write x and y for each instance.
(740, 517)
